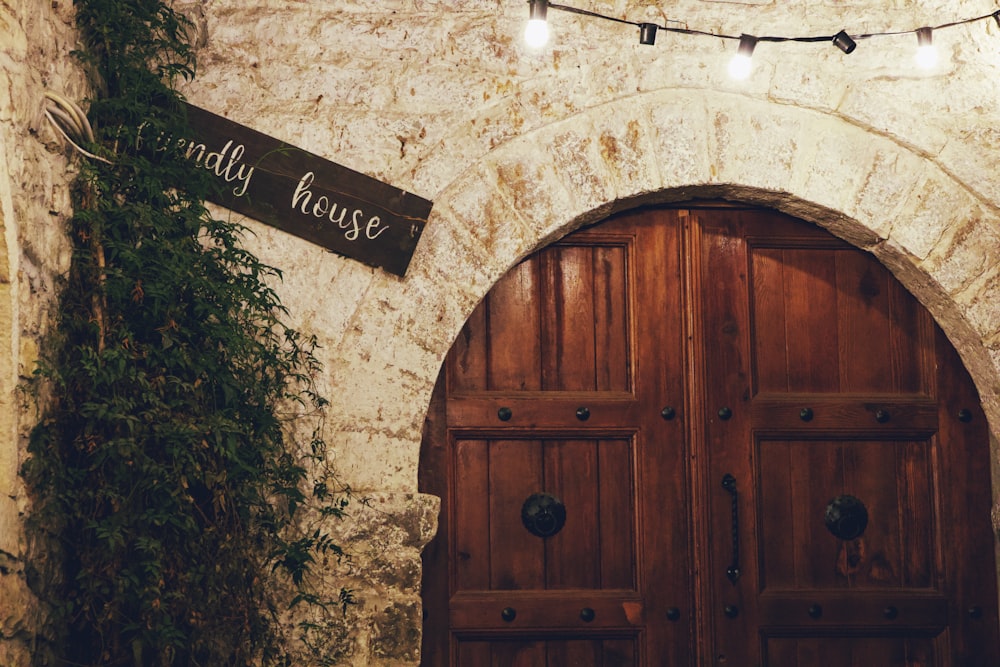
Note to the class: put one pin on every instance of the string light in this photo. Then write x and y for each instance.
(741, 64)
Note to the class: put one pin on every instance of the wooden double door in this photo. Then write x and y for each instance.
(714, 436)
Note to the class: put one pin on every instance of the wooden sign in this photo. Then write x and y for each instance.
(303, 194)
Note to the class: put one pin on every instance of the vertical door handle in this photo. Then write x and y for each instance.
(733, 571)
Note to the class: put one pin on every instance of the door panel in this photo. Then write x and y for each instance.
(706, 390)
(557, 385)
(592, 477)
(831, 377)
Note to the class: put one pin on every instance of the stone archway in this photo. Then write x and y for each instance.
(937, 237)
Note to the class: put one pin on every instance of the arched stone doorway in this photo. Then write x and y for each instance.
(557, 386)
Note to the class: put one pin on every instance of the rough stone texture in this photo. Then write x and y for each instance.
(516, 149)
(382, 535)
(34, 203)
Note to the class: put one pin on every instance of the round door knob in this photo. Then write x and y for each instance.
(504, 414)
(587, 614)
(965, 415)
(673, 614)
(890, 612)
(508, 614)
(725, 413)
(731, 611)
(815, 611)
(806, 414)
(846, 517)
(543, 514)
(975, 612)
(668, 413)
(882, 416)
(583, 414)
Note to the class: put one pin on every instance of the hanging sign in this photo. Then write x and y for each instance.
(303, 194)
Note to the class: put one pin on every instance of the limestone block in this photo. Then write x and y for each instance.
(625, 145)
(864, 103)
(974, 152)
(936, 205)
(971, 249)
(754, 144)
(679, 141)
(450, 257)
(814, 81)
(578, 162)
(833, 162)
(493, 219)
(982, 305)
(367, 460)
(887, 186)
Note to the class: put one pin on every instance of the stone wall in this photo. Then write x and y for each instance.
(37, 38)
(516, 149)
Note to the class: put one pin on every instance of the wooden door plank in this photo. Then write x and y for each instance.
(514, 326)
(863, 321)
(573, 556)
(811, 300)
(470, 515)
(568, 323)
(466, 366)
(617, 513)
(611, 313)
(916, 508)
(770, 330)
(517, 558)
(778, 519)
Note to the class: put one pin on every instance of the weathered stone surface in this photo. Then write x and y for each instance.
(971, 248)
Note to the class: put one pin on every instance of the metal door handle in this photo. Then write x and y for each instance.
(733, 571)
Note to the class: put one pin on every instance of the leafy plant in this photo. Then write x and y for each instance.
(163, 463)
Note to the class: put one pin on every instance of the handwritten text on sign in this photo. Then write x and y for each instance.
(303, 194)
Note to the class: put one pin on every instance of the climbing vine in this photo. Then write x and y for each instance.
(164, 466)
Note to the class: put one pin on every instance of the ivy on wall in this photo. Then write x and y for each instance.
(162, 466)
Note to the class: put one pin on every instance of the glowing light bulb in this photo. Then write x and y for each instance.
(742, 62)
(927, 55)
(740, 66)
(536, 34)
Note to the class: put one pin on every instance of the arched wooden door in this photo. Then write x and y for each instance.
(713, 436)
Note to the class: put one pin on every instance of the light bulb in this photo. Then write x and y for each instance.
(927, 55)
(740, 66)
(742, 62)
(536, 34)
